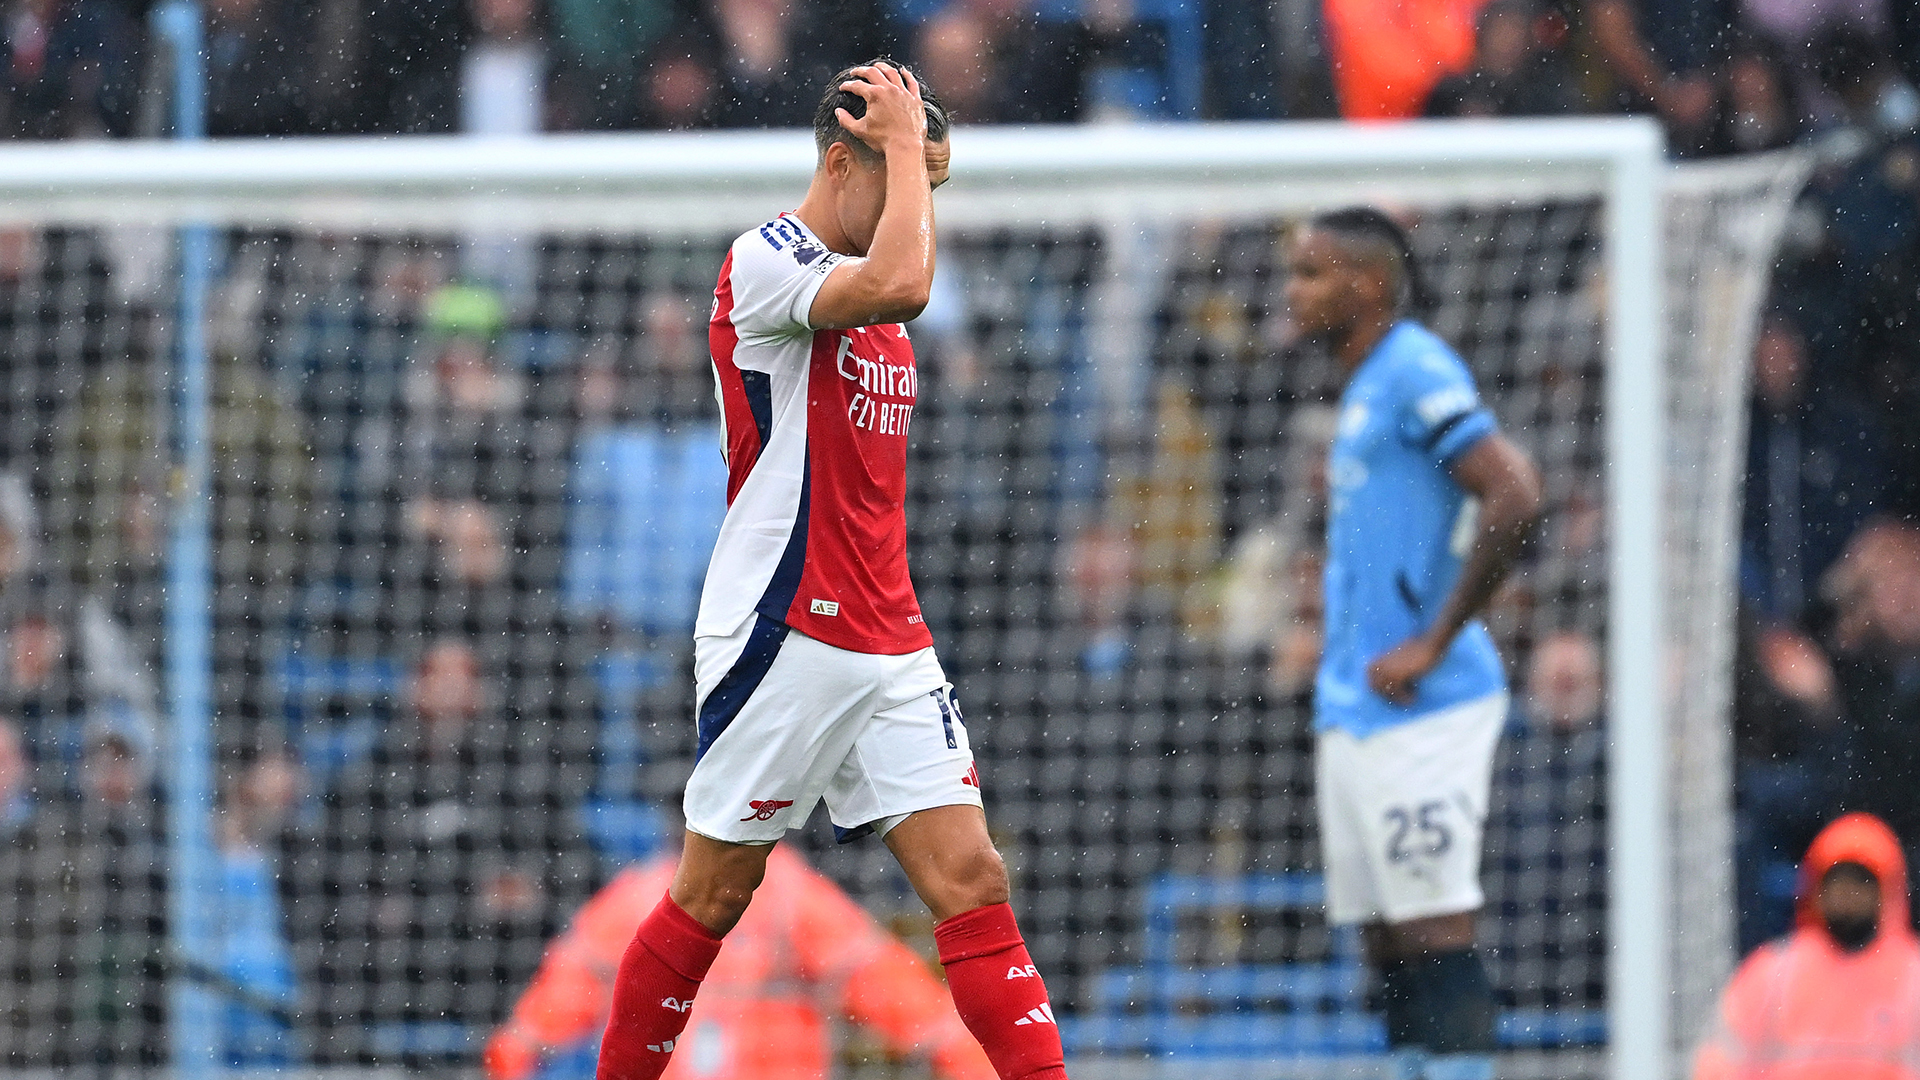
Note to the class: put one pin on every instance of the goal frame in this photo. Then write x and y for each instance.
(1007, 176)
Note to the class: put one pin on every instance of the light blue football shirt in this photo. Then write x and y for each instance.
(1398, 530)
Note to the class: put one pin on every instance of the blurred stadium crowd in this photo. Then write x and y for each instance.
(1723, 75)
(421, 653)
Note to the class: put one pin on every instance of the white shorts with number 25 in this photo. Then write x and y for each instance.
(1402, 813)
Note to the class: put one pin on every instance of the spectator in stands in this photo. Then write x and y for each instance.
(39, 690)
(503, 72)
(16, 783)
(759, 42)
(1102, 574)
(600, 383)
(468, 536)
(681, 88)
(17, 794)
(606, 50)
(958, 49)
(1875, 592)
(768, 1009)
(412, 72)
(774, 53)
(45, 688)
(469, 447)
(1903, 24)
(1272, 596)
(107, 918)
(1789, 738)
(1813, 474)
(256, 69)
(448, 854)
(1854, 64)
(1761, 107)
(1835, 999)
(1878, 102)
(646, 491)
(1870, 203)
(1662, 54)
(1388, 55)
(1547, 819)
(71, 69)
(1300, 640)
(1006, 65)
(1519, 67)
(659, 380)
(1564, 689)
(1796, 24)
(464, 384)
(1894, 386)
(1173, 508)
(19, 531)
(254, 954)
(1244, 72)
(410, 281)
(28, 875)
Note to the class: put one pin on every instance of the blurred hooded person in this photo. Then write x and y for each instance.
(1839, 998)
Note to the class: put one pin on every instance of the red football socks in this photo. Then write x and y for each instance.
(999, 994)
(653, 993)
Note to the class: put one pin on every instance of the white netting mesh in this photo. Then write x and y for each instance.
(1723, 224)
(465, 484)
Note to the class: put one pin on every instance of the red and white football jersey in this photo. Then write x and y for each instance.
(816, 441)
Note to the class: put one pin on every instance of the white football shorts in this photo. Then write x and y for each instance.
(1402, 813)
(785, 720)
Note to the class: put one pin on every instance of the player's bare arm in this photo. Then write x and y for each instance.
(1500, 476)
(893, 277)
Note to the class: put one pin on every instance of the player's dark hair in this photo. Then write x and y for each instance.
(828, 130)
(1371, 226)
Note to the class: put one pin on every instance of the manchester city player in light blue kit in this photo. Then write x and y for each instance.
(1431, 506)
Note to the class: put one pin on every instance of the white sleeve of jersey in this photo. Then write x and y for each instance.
(777, 271)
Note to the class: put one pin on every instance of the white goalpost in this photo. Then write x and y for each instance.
(1117, 406)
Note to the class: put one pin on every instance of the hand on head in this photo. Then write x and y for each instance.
(895, 111)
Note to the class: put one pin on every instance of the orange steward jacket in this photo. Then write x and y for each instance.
(803, 954)
(1802, 1008)
(1388, 55)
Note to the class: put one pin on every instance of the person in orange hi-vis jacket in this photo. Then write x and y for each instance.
(1839, 998)
(1388, 55)
(763, 1012)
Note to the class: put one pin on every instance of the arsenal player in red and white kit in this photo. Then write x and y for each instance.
(816, 676)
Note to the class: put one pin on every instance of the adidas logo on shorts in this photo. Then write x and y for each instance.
(826, 607)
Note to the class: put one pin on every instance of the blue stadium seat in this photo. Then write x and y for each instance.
(327, 746)
(1173, 90)
(643, 510)
(306, 678)
(1302, 1010)
(1311, 1009)
(1546, 1029)
(622, 826)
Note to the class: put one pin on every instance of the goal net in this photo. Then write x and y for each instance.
(452, 405)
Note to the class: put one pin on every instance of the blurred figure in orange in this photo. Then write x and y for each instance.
(766, 1009)
(1839, 998)
(1388, 55)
